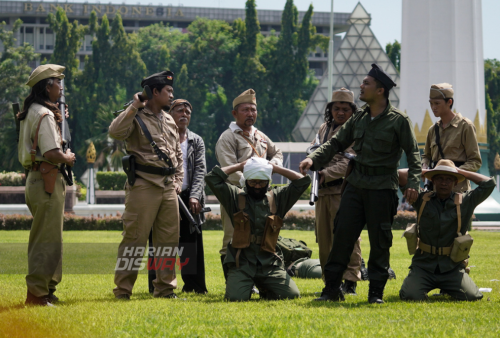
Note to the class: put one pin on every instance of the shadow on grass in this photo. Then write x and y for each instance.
(12, 307)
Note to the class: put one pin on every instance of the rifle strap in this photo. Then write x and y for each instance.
(35, 141)
(325, 138)
(438, 140)
(153, 144)
(253, 147)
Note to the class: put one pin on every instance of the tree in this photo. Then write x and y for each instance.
(393, 51)
(492, 93)
(15, 70)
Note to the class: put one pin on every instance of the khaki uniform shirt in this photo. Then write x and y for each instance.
(459, 143)
(232, 148)
(378, 143)
(338, 165)
(49, 136)
(257, 211)
(164, 132)
(439, 224)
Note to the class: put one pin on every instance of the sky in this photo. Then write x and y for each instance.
(386, 15)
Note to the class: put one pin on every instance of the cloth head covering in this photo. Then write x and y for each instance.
(441, 91)
(45, 72)
(378, 73)
(445, 167)
(248, 96)
(178, 102)
(256, 168)
(165, 78)
(343, 95)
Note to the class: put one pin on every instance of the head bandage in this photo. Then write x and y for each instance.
(256, 169)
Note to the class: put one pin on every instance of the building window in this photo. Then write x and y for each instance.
(49, 39)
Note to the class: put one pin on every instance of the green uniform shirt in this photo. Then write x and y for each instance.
(257, 211)
(438, 224)
(307, 268)
(378, 144)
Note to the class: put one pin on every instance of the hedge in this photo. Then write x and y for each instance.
(12, 179)
(294, 220)
(111, 180)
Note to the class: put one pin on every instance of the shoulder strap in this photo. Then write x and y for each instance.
(253, 147)
(35, 141)
(458, 201)
(272, 202)
(426, 198)
(241, 201)
(325, 138)
(438, 140)
(153, 144)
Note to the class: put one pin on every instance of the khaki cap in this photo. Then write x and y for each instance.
(248, 96)
(445, 167)
(441, 91)
(44, 72)
(343, 95)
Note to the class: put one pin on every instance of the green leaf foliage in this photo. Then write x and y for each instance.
(111, 180)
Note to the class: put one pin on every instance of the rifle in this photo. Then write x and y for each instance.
(315, 180)
(145, 95)
(66, 138)
(193, 225)
(15, 110)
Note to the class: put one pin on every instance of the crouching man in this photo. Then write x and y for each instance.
(443, 243)
(257, 217)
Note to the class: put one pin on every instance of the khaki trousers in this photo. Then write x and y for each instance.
(148, 206)
(227, 226)
(45, 241)
(326, 210)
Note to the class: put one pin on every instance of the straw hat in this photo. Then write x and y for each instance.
(444, 167)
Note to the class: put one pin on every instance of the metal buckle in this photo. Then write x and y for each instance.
(153, 144)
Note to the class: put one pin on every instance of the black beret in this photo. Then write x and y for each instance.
(165, 78)
(378, 73)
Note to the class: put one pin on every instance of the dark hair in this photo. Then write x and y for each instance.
(380, 85)
(328, 111)
(158, 87)
(452, 101)
(39, 95)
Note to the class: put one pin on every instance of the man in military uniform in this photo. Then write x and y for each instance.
(40, 152)
(453, 137)
(152, 201)
(380, 133)
(252, 255)
(441, 216)
(237, 144)
(305, 268)
(337, 112)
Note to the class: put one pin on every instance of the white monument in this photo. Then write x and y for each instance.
(442, 41)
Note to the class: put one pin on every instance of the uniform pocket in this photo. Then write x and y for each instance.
(358, 140)
(130, 225)
(385, 235)
(383, 142)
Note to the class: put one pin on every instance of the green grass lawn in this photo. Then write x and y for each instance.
(91, 310)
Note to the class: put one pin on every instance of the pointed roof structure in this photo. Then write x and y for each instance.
(351, 62)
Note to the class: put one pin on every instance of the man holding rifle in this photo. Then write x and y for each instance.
(155, 173)
(337, 112)
(380, 134)
(40, 154)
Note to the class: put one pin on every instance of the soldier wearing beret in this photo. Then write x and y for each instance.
(40, 153)
(453, 137)
(337, 112)
(380, 133)
(237, 144)
(151, 202)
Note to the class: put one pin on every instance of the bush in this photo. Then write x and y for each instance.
(12, 179)
(111, 180)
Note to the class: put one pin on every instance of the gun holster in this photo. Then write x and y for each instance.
(128, 163)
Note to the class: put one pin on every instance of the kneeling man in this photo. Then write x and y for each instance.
(257, 216)
(441, 215)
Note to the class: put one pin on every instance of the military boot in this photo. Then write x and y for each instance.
(376, 291)
(363, 270)
(349, 288)
(331, 293)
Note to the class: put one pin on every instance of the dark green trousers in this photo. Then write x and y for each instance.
(456, 283)
(376, 209)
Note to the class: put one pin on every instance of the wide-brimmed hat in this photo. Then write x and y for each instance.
(444, 167)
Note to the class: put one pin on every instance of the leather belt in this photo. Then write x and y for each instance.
(333, 183)
(36, 167)
(374, 171)
(435, 250)
(161, 171)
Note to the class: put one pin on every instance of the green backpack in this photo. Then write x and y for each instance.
(293, 249)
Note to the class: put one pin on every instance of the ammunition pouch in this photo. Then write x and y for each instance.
(128, 163)
(242, 231)
(461, 248)
(411, 236)
(49, 176)
(274, 223)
